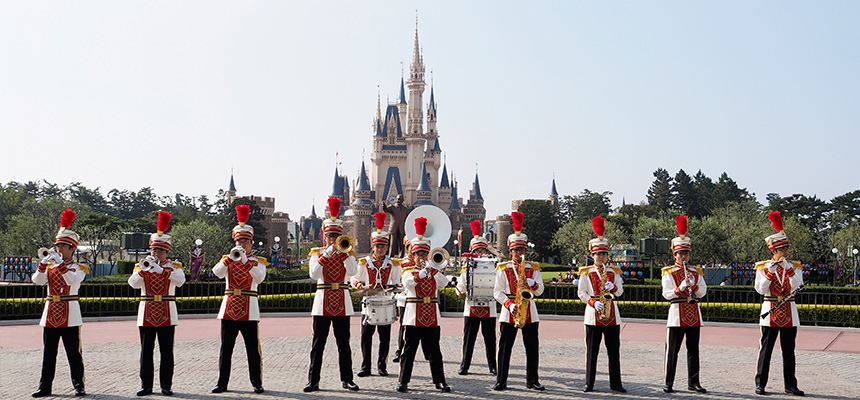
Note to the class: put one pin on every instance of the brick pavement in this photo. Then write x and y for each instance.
(111, 357)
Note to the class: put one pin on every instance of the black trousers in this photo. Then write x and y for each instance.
(401, 338)
(507, 336)
(72, 342)
(786, 342)
(165, 335)
(593, 335)
(673, 346)
(470, 334)
(367, 345)
(429, 340)
(251, 334)
(341, 336)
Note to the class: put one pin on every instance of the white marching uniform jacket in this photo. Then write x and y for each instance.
(138, 280)
(470, 309)
(66, 284)
(671, 276)
(502, 289)
(410, 285)
(235, 308)
(790, 279)
(316, 270)
(588, 278)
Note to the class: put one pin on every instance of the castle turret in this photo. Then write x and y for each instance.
(444, 196)
(361, 214)
(475, 206)
(424, 192)
(553, 196)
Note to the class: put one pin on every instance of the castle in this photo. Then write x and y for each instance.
(405, 160)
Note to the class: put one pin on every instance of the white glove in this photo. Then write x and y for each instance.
(683, 286)
(512, 308)
(54, 257)
(609, 285)
(328, 251)
(598, 306)
(530, 282)
(423, 274)
(240, 249)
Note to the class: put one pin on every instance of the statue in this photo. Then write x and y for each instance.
(398, 213)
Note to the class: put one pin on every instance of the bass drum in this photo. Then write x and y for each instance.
(379, 310)
(480, 280)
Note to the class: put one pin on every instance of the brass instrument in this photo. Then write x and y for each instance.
(690, 294)
(236, 253)
(606, 298)
(523, 295)
(146, 265)
(344, 244)
(47, 255)
(438, 258)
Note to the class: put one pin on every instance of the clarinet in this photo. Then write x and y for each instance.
(784, 300)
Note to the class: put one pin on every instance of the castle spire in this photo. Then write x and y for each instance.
(363, 182)
(443, 184)
(232, 185)
(379, 103)
(553, 192)
(477, 188)
(431, 108)
(402, 92)
(416, 51)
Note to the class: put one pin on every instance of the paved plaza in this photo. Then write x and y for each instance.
(828, 363)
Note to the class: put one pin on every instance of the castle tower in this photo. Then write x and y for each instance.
(444, 191)
(361, 214)
(231, 191)
(423, 192)
(402, 106)
(415, 140)
(434, 156)
(475, 206)
(553, 196)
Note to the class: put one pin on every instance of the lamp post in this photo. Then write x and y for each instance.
(836, 267)
(196, 260)
(854, 252)
(457, 253)
(276, 252)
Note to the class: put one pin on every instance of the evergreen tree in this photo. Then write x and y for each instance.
(703, 188)
(683, 193)
(540, 223)
(660, 192)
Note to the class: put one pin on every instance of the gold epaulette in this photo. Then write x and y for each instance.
(136, 268)
(407, 270)
(502, 265)
(583, 270)
(761, 264)
(223, 258)
(178, 265)
(85, 268)
(535, 266)
(362, 262)
(617, 270)
(464, 270)
(700, 271)
(314, 251)
(396, 262)
(666, 270)
(797, 265)
(263, 260)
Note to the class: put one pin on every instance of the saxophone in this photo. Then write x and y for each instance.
(606, 298)
(523, 295)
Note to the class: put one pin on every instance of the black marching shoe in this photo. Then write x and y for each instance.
(311, 387)
(535, 386)
(383, 372)
(619, 389)
(396, 357)
(259, 389)
(42, 392)
(493, 370)
(350, 385)
(219, 389)
(79, 391)
(401, 387)
(697, 388)
(667, 389)
(795, 391)
(463, 371)
(442, 386)
(500, 386)
(760, 390)
(144, 392)
(167, 392)
(363, 373)
(587, 388)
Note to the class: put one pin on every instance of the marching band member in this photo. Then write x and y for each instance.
(240, 311)
(405, 266)
(509, 282)
(156, 315)
(775, 279)
(61, 317)
(683, 288)
(474, 317)
(595, 282)
(374, 272)
(332, 307)
(422, 316)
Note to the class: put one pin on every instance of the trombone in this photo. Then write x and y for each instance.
(344, 244)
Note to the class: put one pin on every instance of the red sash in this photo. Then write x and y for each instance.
(688, 314)
(334, 272)
(238, 277)
(156, 313)
(58, 311)
(512, 285)
(425, 313)
(372, 272)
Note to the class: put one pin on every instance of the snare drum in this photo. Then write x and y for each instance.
(480, 280)
(379, 310)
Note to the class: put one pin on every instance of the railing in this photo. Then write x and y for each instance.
(817, 306)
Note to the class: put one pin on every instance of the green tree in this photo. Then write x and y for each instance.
(540, 223)
(584, 206)
(660, 192)
(683, 193)
(255, 219)
(216, 240)
(100, 232)
(571, 240)
(709, 241)
(746, 227)
(703, 203)
(91, 197)
(36, 224)
(726, 191)
(849, 203)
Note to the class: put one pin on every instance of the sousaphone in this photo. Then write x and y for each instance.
(438, 225)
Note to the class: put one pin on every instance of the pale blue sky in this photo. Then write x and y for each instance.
(601, 94)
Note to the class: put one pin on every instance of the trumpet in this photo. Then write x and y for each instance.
(146, 265)
(438, 258)
(47, 255)
(344, 244)
(237, 253)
